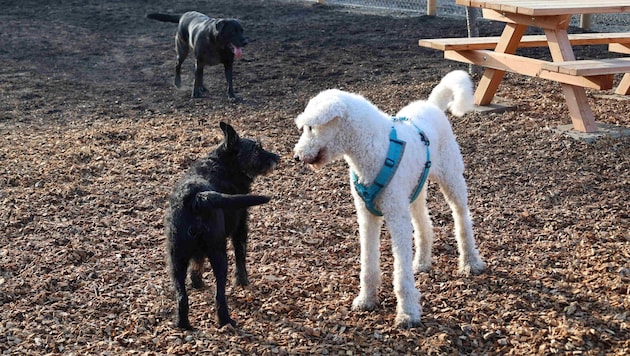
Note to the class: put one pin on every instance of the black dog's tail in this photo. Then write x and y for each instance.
(215, 200)
(164, 17)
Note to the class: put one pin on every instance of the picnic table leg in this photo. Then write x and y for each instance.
(624, 85)
(579, 108)
(489, 83)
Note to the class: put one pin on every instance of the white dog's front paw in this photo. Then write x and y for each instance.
(406, 321)
(364, 303)
(472, 267)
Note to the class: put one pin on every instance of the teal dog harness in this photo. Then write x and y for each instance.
(394, 156)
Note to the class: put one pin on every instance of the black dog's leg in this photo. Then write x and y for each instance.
(228, 67)
(239, 241)
(179, 267)
(198, 83)
(182, 53)
(219, 263)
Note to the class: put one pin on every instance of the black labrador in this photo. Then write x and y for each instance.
(212, 41)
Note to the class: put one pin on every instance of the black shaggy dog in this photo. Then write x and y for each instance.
(208, 205)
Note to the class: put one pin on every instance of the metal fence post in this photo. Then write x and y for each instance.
(432, 7)
(585, 21)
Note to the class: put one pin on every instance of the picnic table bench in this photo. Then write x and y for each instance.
(497, 54)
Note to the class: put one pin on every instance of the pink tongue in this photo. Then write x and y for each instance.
(238, 53)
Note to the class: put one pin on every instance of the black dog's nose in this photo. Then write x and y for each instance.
(297, 158)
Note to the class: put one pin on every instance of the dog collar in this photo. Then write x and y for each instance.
(394, 156)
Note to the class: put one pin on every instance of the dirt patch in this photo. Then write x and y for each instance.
(94, 135)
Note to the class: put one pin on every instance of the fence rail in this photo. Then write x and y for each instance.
(430, 6)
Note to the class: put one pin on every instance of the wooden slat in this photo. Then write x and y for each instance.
(579, 39)
(528, 66)
(590, 67)
(551, 7)
(583, 39)
(619, 48)
(459, 43)
(549, 22)
(499, 61)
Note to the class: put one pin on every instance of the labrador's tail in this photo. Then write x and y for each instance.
(164, 17)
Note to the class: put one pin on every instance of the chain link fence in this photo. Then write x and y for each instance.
(409, 5)
(441, 7)
(599, 22)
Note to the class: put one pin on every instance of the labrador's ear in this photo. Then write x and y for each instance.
(323, 108)
(230, 137)
(217, 27)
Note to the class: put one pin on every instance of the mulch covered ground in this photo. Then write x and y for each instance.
(94, 135)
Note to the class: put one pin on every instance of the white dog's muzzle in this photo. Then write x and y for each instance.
(308, 152)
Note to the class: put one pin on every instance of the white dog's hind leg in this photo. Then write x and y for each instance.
(453, 187)
(370, 276)
(422, 233)
(407, 296)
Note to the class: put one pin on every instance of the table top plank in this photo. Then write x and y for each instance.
(588, 67)
(551, 7)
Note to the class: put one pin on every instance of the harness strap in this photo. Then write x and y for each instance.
(427, 166)
(394, 156)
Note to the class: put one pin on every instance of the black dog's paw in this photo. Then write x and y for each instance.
(178, 82)
(223, 316)
(241, 280)
(232, 97)
(229, 321)
(184, 324)
(197, 93)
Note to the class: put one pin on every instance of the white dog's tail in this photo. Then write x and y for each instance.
(454, 92)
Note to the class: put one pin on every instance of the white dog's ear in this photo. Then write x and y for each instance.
(323, 108)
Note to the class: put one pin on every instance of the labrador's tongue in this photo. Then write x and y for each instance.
(238, 53)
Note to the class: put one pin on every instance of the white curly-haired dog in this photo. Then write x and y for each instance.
(338, 124)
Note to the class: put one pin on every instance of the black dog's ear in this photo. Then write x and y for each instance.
(230, 137)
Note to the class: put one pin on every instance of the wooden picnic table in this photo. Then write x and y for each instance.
(553, 17)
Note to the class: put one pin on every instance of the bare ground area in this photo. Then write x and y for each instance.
(94, 135)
